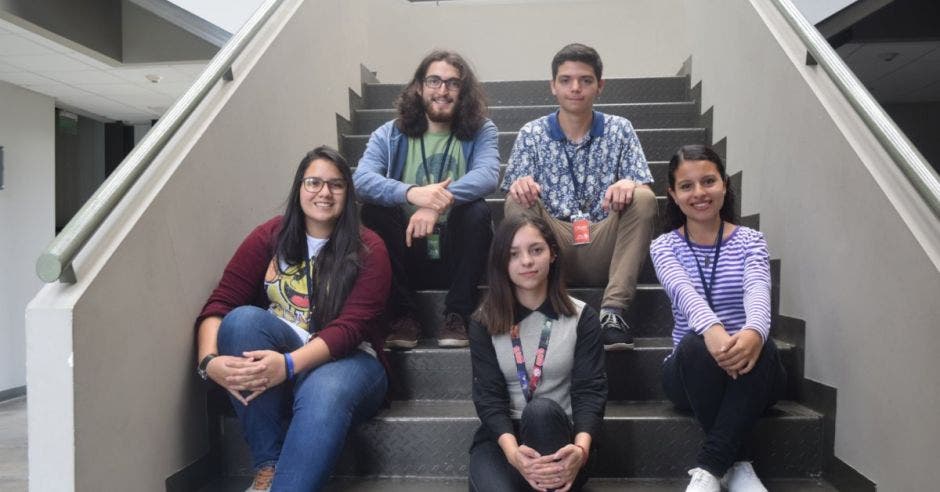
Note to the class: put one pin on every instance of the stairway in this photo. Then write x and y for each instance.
(422, 441)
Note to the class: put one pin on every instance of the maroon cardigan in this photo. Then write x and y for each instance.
(361, 318)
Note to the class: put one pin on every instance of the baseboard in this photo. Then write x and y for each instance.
(9, 394)
(844, 477)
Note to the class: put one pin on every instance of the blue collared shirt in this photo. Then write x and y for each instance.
(575, 175)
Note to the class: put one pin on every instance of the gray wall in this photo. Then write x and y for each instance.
(26, 216)
(140, 30)
(860, 252)
(95, 24)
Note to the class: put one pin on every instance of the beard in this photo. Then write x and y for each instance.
(440, 116)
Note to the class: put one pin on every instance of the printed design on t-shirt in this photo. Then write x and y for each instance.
(438, 165)
(287, 288)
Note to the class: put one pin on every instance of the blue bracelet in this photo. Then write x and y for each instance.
(289, 362)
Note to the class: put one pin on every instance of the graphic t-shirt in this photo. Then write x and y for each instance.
(438, 166)
(288, 288)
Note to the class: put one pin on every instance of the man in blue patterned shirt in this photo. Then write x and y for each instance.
(582, 168)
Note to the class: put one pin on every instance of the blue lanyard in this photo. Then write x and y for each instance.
(529, 385)
(574, 181)
(445, 164)
(707, 287)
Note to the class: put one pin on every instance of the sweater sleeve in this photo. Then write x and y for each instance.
(242, 281)
(490, 395)
(679, 287)
(359, 319)
(588, 375)
(757, 286)
(370, 178)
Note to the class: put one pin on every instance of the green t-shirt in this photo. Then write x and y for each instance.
(439, 167)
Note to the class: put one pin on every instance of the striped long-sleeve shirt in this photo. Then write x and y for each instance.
(741, 293)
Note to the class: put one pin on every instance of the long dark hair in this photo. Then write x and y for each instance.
(469, 113)
(337, 264)
(497, 311)
(697, 152)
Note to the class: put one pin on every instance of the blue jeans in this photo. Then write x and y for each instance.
(301, 426)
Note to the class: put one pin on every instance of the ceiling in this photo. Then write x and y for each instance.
(896, 72)
(133, 93)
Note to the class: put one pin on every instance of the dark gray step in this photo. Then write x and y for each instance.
(511, 118)
(650, 314)
(658, 144)
(639, 439)
(431, 373)
(419, 484)
(538, 92)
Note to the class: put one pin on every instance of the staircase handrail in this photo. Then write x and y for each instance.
(911, 162)
(55, 263)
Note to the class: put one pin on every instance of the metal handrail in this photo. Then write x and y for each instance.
(911, 162)
(55, 263)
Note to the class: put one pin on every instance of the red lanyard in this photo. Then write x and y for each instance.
(529, 384)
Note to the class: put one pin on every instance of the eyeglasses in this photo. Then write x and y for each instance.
(314, 185)
(434, 82)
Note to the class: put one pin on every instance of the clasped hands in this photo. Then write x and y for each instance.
(555, 471)
(253, 373)
(432, 200)
(736, 354)
(525, 191)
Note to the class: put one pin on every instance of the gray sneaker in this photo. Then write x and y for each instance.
(454, 332)
(615, 332)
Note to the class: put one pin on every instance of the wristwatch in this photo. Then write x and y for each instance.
(203, 364)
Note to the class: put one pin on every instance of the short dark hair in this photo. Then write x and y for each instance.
(498, 309)
(579, 53)
(471, 110)
(697, 152)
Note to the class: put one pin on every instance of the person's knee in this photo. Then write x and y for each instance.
(540, 409)
(691, 347)
(239, 323)
(473, 216)
(644, 202)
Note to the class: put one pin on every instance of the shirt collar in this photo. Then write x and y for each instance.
(556, 133)
(523, 312)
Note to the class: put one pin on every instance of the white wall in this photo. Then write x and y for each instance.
(515, 40)
(860, 253)
(27, 216)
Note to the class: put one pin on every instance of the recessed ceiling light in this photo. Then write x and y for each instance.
(152, 77)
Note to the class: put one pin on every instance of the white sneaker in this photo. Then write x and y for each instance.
(702, 481)
(741, 478)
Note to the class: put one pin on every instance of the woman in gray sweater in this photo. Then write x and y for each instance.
(539, 384)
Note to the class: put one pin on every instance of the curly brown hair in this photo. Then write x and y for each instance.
(471, 110)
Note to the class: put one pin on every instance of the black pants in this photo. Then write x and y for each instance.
(465, 244)
(727, 409)
(544, 427)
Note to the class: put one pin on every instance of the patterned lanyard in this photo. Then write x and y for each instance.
(707, 287)
(445, 164)
(529, 385)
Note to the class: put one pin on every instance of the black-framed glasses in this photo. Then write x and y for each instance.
(434, 82)
(314, 185)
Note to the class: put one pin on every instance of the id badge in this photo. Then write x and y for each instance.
(580, 228)
(434, 246)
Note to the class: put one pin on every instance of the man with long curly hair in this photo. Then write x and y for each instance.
(422, 180)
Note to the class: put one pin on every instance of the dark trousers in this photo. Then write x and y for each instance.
(544, 427)
(465, 244)
(727, 409)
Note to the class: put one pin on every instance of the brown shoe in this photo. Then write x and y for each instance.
(263, 478)
(454, 332)
(404, 333)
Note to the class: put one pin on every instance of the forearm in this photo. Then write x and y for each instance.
(207, 337)
(313, 354)
(508, 443)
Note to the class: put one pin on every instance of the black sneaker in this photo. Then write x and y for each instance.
(615, 332)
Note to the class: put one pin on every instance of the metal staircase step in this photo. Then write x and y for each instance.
(658, 144)
(511, 118)
(428, 372)
(538, 92)
(639, 439)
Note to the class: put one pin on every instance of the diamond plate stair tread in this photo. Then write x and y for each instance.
(537, 92)
(429, 372)
(658, 144)
(417, 484)
(511, 118)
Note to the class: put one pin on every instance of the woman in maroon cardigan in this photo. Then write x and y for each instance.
(292, 332)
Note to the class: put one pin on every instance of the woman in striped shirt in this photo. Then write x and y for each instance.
(724, 366)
